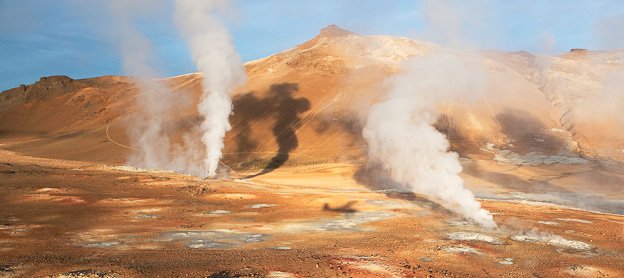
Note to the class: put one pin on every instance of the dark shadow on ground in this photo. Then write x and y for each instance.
(346, 208)
(459, 142)
(376, 179)
(247, 109)
(347, 123)
(528, 133)
(284, 108)
(512, 182)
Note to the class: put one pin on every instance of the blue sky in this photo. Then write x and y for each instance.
(51, 37)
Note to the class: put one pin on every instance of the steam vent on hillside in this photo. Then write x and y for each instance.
(222, 138)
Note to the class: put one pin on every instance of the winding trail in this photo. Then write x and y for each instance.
(108, 137)
(135, 149)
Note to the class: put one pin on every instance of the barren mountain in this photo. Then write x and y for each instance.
(541, 148)
(306, 105)
(309, 100)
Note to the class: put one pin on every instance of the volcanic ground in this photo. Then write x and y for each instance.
(70, 206)
(67, 218)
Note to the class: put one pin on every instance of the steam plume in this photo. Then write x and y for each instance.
(214, 55)
(155, 101)
(401, 137)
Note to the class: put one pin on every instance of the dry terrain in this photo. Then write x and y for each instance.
(553, 178)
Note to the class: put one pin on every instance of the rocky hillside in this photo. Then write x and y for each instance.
(308, 102)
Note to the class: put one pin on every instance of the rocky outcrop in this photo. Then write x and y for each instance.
(45, 88)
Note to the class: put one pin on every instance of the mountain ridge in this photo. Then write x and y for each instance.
(340, 73)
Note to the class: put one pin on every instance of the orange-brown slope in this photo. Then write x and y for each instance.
(307, 101)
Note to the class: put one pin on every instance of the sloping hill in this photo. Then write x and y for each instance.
(306, 105)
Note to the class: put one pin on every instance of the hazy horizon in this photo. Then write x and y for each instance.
(67, 37)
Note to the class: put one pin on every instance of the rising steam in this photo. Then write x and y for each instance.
(214, 55)
(155, 102)
(401, 137)
(150, 128)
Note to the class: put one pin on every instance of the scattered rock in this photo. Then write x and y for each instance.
(5, 268)
(235, 274)
(87, 273)
(584, 271)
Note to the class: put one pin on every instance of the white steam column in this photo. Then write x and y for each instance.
(214, 55)
(402, 139)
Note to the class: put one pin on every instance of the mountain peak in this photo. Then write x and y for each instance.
(334, 31)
